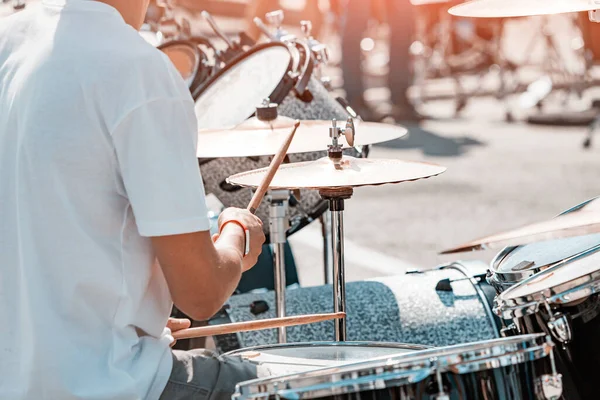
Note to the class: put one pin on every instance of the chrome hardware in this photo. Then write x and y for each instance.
(306, 27)
(349, 132)
(278, 226)
(560, 328)
(334, 150)
(550, 385)
(559, 325)
(275, 18)
(441, 395)
(216, 29)
(509, 330)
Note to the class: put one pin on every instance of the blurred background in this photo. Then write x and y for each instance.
(506, 104)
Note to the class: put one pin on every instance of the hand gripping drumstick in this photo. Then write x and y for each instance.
(254, 325)
(275, 163)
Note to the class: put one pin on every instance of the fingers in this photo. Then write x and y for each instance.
(177, 324)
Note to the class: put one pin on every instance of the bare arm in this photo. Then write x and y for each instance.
(202, 274)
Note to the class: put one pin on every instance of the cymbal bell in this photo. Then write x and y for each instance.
(521, 8)
(254, 137)
(576, 223)
(350, 172)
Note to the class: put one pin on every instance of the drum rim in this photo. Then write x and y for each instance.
(384, 372)
(197, 55)
(236, 60)
(577, 288)
(503, 278)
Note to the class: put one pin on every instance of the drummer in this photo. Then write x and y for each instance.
(98, 180)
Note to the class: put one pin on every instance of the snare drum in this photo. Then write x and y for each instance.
(399, 309)
(514, 264)
(563, 301)
(283, 359)
(232, 94)
(519, 368)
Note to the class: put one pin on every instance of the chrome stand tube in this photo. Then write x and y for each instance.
(336, 197)
(339, 271)
(325, 220)
(280, 285)
(278, 226)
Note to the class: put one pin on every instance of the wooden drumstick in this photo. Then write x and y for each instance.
(255, 325)
(275, 163)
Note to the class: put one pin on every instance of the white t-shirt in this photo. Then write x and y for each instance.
(97, 153)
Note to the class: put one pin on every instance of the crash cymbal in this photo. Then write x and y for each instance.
(521, 8)
(576, 223)
(260, 138)
(350, 172)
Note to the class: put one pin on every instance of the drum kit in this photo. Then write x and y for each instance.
(523, 327)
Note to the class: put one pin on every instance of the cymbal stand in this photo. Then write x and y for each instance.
(336, 197)
(325, 221)
(278, 226)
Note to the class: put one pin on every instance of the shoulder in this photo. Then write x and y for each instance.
(138, 67)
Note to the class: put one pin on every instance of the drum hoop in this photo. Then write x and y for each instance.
(394, 371)
(236, 60)
(503, 276)
(573, 289)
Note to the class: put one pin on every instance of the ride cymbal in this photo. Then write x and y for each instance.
(521, 8)
(262, 138)
(350, 172)
(576, 223)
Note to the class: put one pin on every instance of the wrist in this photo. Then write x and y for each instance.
(240, 230)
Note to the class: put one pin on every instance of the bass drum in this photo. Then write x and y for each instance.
(231, 96)
(398, 309)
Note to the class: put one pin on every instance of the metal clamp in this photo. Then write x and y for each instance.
(559, 325)
(550, 385)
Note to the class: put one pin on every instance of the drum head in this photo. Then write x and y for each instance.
(293, 358)
(582, 269)
(231, 95)
(545, 253)
(535, 256)
(185, 56)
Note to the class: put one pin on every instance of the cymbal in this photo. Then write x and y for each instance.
(351, 172)
(259, 138)
(576, 223)
(521, 8)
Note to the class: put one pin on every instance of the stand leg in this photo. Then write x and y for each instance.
(325, 220)
(278, 226)
(280, 285)
(336, 197)
(339, 272)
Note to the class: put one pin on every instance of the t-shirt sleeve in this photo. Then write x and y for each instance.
(155, 146)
